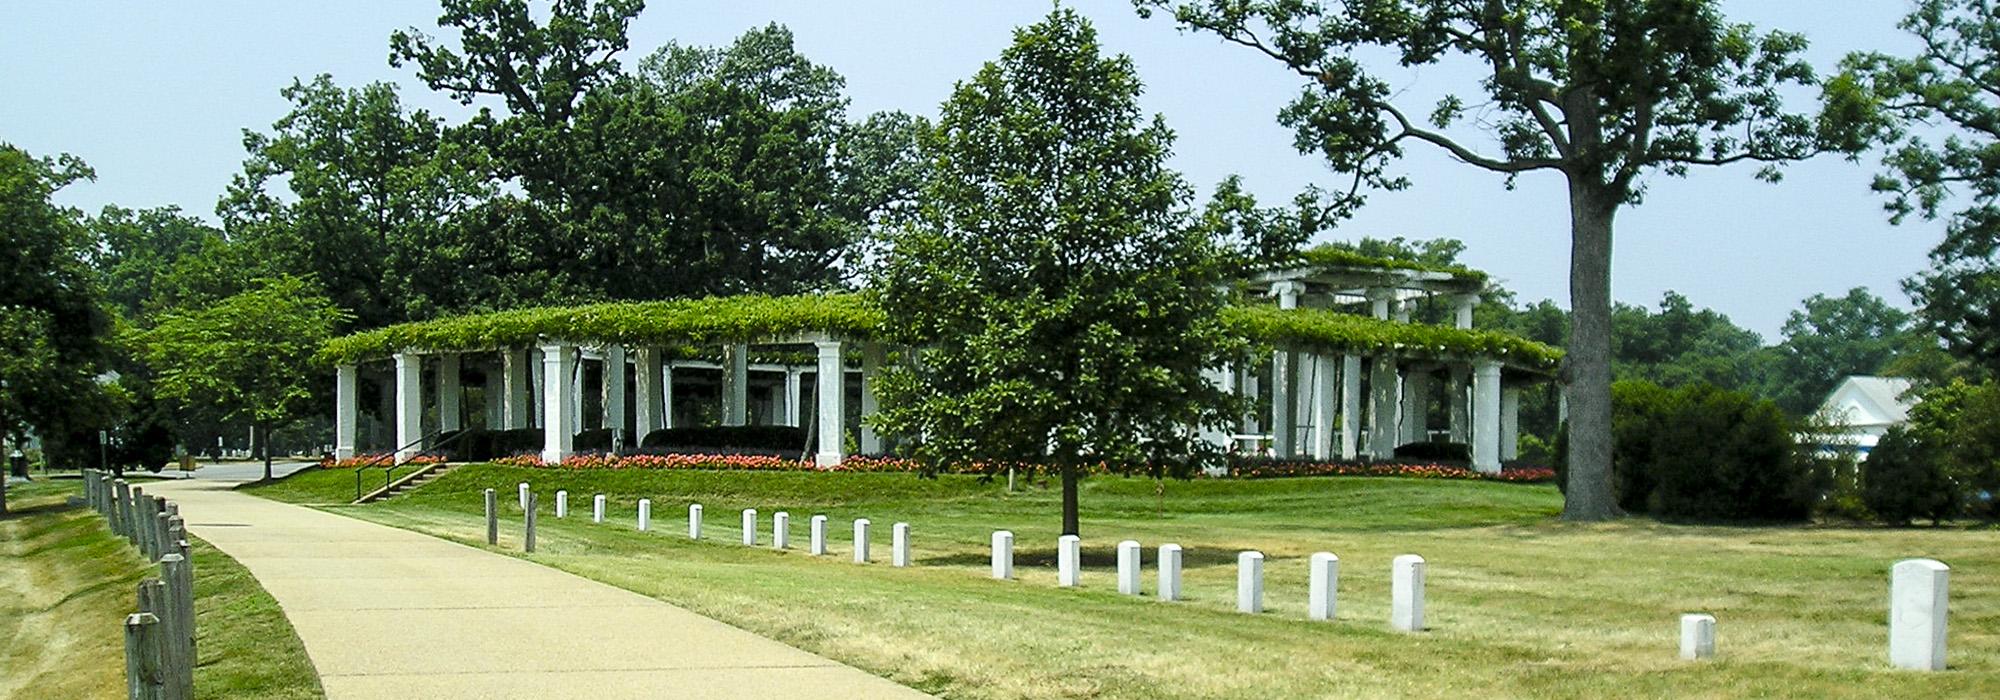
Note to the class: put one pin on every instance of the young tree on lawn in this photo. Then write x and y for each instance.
(1952, 87)
(246, 357)
(1601, 92)
(1062, 299)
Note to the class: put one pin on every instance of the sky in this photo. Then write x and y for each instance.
(155, 96)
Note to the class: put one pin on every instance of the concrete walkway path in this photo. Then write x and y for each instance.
(388, 613)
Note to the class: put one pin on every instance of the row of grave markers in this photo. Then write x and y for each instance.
(159, 638)
(1918, 597)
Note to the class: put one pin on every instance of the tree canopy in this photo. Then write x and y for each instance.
(52, 326)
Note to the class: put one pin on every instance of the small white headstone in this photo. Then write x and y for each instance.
(818, 544)
(1697, 637)
(694, 521)
(1322, 585)
(1250, 582)
(781, 530)
(861, 541)
(899, 544)
(1170, 572)
(562, 504)
(597, 508)
(524, 495)
(1069, 561)
(1003, 555)
(1128, 567)
(645, 514)
(1406, 593)
(1919, 592)
(749, 527)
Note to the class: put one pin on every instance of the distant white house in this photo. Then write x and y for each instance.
(1868, 407)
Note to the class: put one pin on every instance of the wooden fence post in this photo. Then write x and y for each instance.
(142, 656)
(178, 572)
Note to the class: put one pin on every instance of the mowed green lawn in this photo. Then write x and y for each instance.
(1519, 605)
(67, 583)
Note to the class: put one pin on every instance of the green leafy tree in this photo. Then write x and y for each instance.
(1681, 345)
(52, 322)
(1831, 338)
(247, 357)
(1903, 478)
(1958, 424)
(1601, 93)
(1939, 114)
(135, 249)
(1063, 306)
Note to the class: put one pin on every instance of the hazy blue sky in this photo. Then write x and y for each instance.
(155, 96)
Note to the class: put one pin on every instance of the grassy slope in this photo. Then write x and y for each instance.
(1519, 605)
(70, 583)
(326, 486)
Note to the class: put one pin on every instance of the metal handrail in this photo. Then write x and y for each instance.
(388, 473)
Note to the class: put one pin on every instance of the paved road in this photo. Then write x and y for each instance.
(388, 613)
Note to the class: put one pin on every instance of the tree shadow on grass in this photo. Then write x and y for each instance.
(16, 513)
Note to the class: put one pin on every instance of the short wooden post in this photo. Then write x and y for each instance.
(1170, 572)
(120, 509)
(528, 538)
(135, 520)
(1003, 555)
(694, 521)
(162, 545)
(175, 572)
(492, 518)
(142, 656)
(154, 599)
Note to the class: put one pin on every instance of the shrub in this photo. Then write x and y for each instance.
(1435, 452)
(776, 438)
(1904, 478)
(1700, 451)
(1959, 426)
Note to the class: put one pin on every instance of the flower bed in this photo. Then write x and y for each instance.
(377, 461)
(865, 464)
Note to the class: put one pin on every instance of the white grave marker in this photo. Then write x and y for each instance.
(861, 541)
(597, 508)
(523, 489)
(1406, 593)
(818, 544)
(1250, 582)
(1170, 572)
(562, 504)
(1918, 595)
(694, 521)
(645, 514)
(1003, 555)
(1697, 637)
(1128, 567)
(781, 530)
(1069, 561)
(749, 527)
(1322, 585)
(899, 544)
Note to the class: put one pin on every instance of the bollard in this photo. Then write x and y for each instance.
(121, 498)
(645, 514)
(861, 541)
(817, 547)
(1406, 593)
(154, 599)
(142, 656)
(1919, 591)
(161, 546)
(1250, 582)
(1170, 572)
(749, 527)
(1128, 567)
(899, 544)
(1003, 555)
(781, 530)
(562, 504)
(597, 508)
(1069, 561)
(135, 521)
(1322, 586)
(528, 526)
(492, 518)
(694, 521)
(179, 655)
(1697, 637)
(523, 493)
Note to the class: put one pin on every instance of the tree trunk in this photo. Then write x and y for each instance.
(264, 441)
(1069, 478)
(1589, 495)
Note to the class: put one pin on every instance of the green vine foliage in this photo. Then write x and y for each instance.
(1337, 257)
(752, 319)
(712, 320)
(1316, 329)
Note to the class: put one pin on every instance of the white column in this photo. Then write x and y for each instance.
(538, 389)
(1322, 586)
(1170, 572)
(1462, 310)
(496, 400)
(451, 395)
(1406, 593)
(1350, 406)
(1069, 561)
(1486, 416)
(646, 383)
(409, 405)
(1416, 406)
(1128, 567)
(1460, 403)
(614, 391)
(518, 388)
(558, 411)
(832, 405)
(736, 385)
(1382, 415)
(1325, 398)
(871, 363)
(1379, 302)
(1003, 555)
(575, 393)
(1250, 582)
(666, 395)
(1284, 430)
(1919, 593)
(793, 393)
(1510, 423)
(346, 410)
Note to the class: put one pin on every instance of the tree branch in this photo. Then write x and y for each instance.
(1464, 154)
